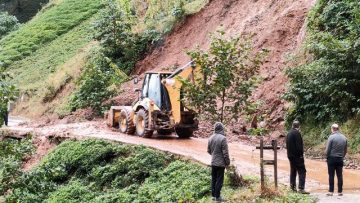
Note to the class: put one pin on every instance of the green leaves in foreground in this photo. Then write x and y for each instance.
(101, 171)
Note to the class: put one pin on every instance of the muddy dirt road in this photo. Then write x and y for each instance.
(245, 157)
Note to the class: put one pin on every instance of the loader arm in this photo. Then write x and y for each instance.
(173, 86)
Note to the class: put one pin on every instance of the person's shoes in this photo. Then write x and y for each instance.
(340, 194)
(213, 198)
(301, 191)
(330, 194)
(220, 199)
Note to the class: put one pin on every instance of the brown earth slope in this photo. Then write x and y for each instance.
(278, 25)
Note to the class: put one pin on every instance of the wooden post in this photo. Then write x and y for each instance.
(274, 143)
(262, 163)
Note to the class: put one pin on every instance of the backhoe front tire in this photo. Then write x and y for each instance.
(126, 125)
(142, 124)
(184, 132)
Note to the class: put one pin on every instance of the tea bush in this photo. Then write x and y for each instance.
(45, 27)
(12, 153)
(176, 183)
(101, 171)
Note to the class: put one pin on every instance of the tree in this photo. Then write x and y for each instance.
(120, 43)
(8, 23)
(228, 76)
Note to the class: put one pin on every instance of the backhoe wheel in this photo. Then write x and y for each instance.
(184, 132)
(142, 124)
(126, 125)
(164, 131)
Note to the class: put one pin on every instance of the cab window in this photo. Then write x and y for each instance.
(154, 92)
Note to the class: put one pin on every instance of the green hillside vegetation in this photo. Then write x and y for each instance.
(326, 88)
(102, 171)
(50, 23)
(47, 71)
(126, 30)
(12, 154)
(69, 45)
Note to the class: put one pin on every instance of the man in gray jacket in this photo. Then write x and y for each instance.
(336, 149)
(218, 148)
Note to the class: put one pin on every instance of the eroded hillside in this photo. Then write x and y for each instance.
(278, 26)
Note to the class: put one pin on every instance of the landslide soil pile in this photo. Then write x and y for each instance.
(278, 26)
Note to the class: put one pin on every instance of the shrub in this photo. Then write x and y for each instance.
(326, 88)
(12, 152)
(93, 85)
(179, 182)
(8, 23)
(100, 171)
(120, 44)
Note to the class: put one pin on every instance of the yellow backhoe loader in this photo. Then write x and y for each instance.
(158, 107)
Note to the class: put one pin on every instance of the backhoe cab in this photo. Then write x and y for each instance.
(158, 107)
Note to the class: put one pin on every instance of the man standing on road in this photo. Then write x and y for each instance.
(218, 149)
(295, 152)
(6, 114)
(336, 149)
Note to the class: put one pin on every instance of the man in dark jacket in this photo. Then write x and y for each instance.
(218, 148)
(295, 152)
(336, 149)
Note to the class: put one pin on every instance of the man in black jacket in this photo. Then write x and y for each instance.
(295, 152)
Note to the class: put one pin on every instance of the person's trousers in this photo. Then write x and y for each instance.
(217, 179)
(297, 166)
(6, 118)
(335, 164)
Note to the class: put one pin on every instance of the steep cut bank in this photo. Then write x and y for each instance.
(277, 25)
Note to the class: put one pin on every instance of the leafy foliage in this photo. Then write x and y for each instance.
(119, 42)
(176, 184)
(12, 153)
(8, 23)
(326, 88)
(228, 75)
(120, 49)
(94, 84)
(100, 171)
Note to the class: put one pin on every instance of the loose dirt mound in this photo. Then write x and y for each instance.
(42, 146)
(278, 25)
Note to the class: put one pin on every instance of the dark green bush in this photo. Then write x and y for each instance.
(327, 87)
(8, 23)
(119, 42)
(179, 182)
(100, 171)
(12, 153)
(93, 85)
